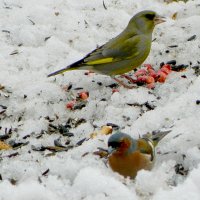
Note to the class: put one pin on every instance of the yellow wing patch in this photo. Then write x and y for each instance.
(144, 146)
(100, 61)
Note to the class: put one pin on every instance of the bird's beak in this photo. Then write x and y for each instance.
(111, 150)
(159, 19)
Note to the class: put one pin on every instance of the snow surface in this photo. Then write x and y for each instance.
(50, 34)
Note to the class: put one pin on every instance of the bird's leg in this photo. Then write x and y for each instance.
(123, 84)
(128, 78)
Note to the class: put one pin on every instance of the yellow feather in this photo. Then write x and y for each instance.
(100, 61)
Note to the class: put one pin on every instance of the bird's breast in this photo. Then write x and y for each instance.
(129, 165)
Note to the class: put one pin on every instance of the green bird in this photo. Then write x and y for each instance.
(123, 53)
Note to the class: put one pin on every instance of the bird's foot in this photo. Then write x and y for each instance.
(123, 84)
(129, 78)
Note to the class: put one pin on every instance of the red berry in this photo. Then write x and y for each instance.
(166, 69)
(161, 76)
(151, 85)
(83, 95)
(140, 72)
(142, 79)
(148, 66)
(70, 104)
(115, 90)
(150, 79)
(152, 73)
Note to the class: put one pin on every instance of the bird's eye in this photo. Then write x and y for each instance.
(114, 144)
(150, 16)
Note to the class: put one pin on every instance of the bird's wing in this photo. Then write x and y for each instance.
(119, 48)
(146, 146)
(115, 50)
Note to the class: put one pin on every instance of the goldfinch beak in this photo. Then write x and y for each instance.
(159, 19)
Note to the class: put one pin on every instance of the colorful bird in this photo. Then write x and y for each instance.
(127, 156)
(123, 53)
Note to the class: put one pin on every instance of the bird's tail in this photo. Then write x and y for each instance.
(61, 71)
(156, 136)
(71, 67)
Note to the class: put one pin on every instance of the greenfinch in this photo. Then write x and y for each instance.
(123, 53)
(127, 155)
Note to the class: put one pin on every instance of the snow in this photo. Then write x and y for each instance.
(39, 37)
